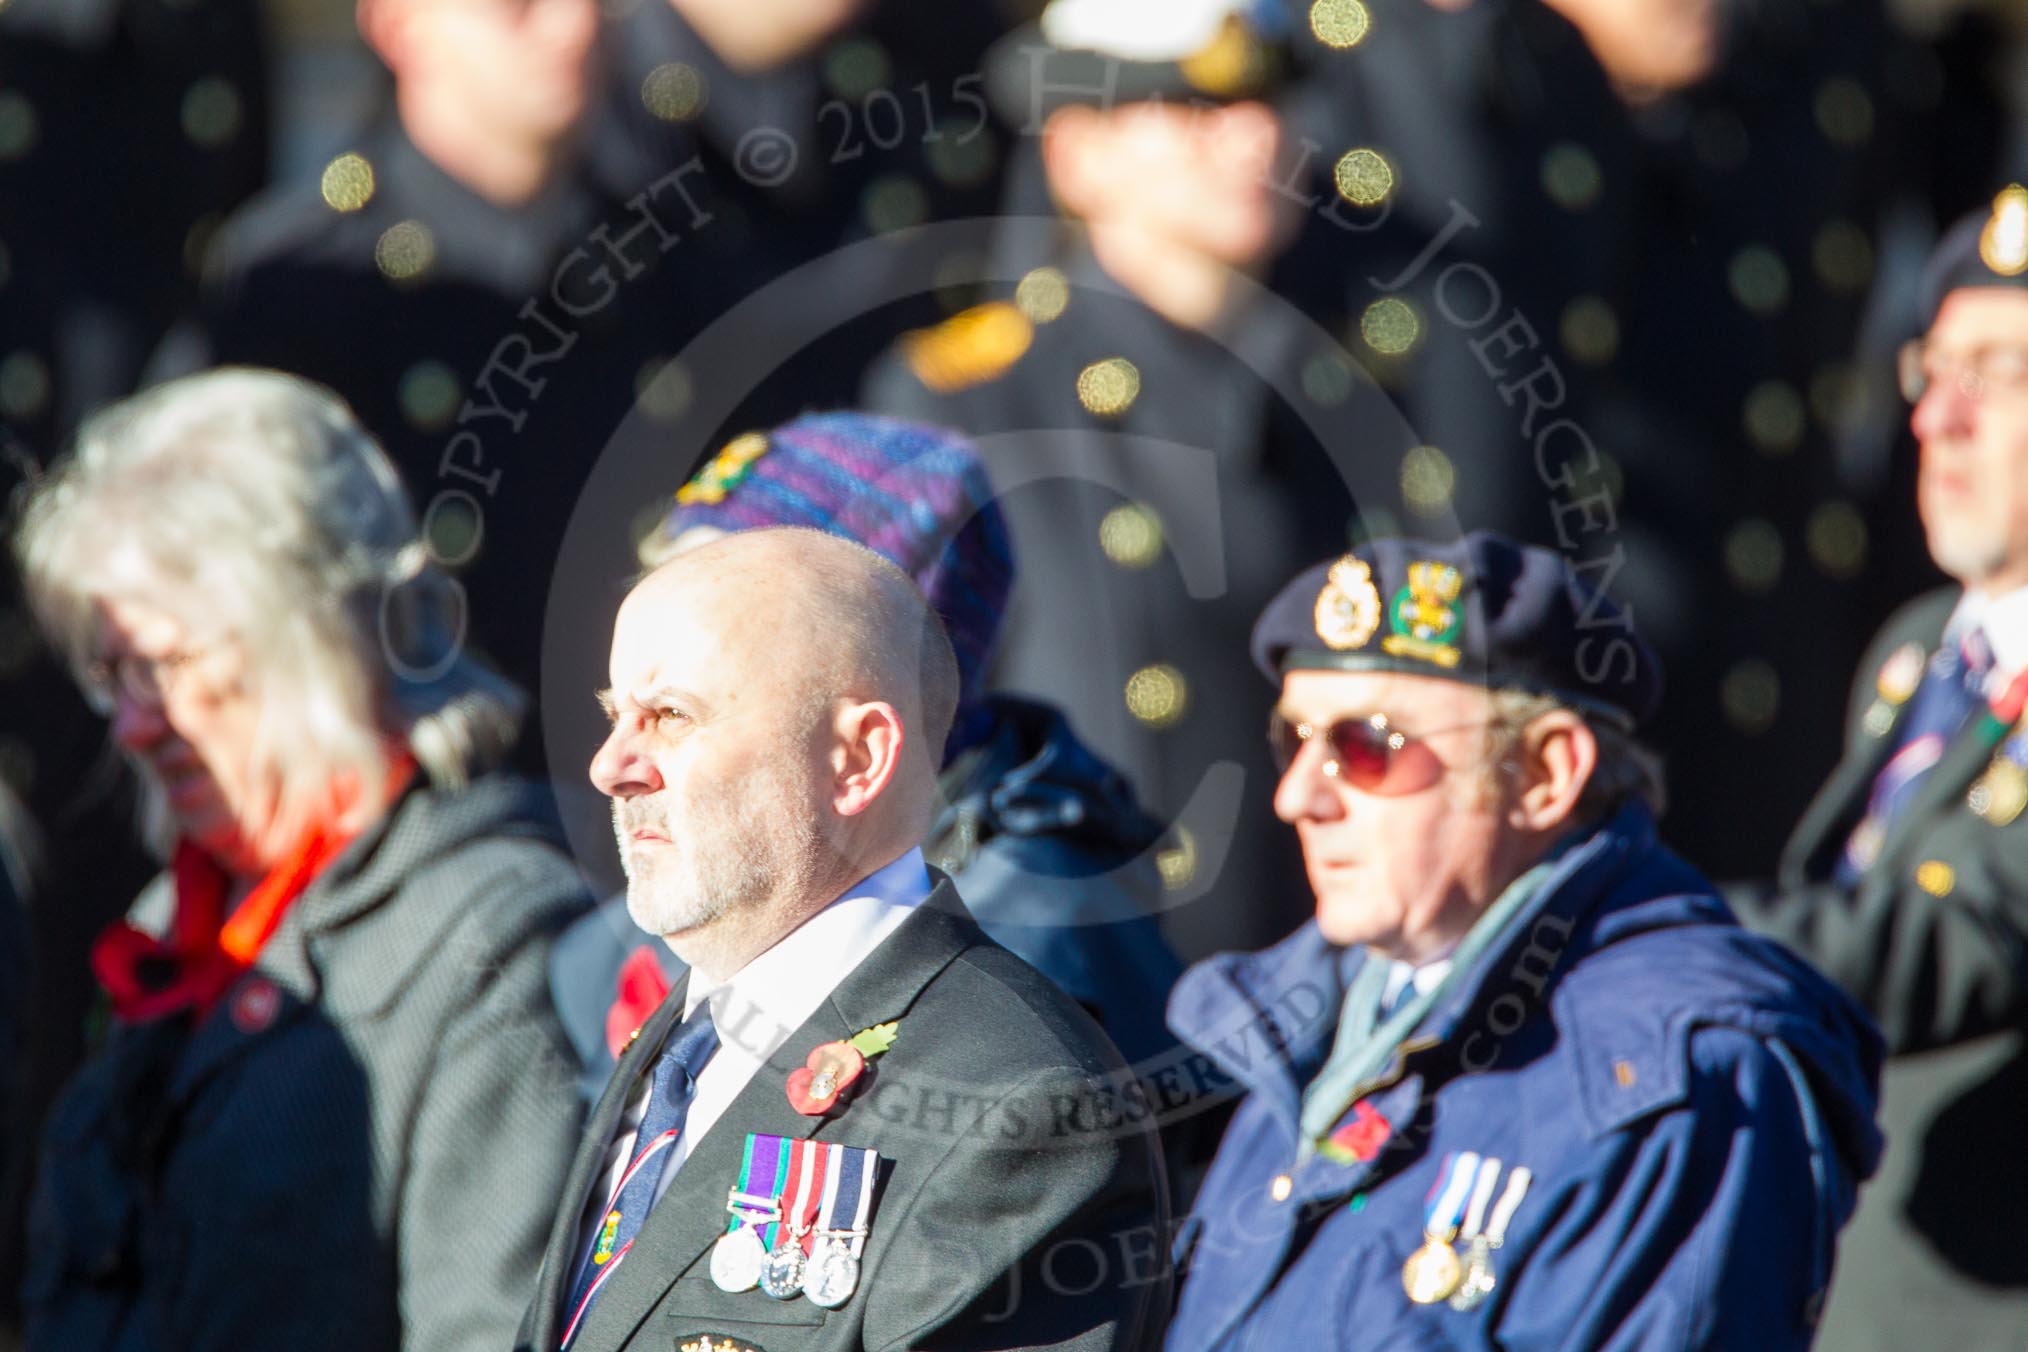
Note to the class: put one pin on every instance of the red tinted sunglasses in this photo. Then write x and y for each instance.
(1369, 754)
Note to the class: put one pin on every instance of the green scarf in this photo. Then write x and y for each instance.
(1361, 1048)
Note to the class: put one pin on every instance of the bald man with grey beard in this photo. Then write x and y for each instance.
(857, 1122)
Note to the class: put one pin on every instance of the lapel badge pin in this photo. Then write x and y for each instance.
(255, 1004)
(1900, 674)
(602, 1252)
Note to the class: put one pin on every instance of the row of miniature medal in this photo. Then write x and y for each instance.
(1456, 1214)
(798, 1220)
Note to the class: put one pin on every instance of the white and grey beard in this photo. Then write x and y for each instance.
(727, 852)
(1967, 556)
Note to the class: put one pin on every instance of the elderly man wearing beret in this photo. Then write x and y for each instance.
(1523, 1081)
(1907, 879)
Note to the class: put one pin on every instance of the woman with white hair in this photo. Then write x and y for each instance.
(335, 1107)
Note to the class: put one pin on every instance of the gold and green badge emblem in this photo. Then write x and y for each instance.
(602, 1252)
(723, 474)
(1425, 615)
(1348, 608)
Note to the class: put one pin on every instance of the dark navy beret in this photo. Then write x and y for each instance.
(1986, 248)
(1483, 610)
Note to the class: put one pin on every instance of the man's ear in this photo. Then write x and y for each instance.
(1557, 755)
(867, 754)
(1069, 150)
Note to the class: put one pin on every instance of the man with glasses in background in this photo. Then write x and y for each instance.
(1523, 1081)
(1907, 880)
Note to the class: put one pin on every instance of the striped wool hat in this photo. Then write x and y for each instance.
(916, 495)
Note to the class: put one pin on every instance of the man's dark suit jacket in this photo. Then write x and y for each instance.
(1021, 1201)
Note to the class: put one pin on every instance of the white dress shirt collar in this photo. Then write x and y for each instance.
(2004, 618)
(1400, 975)
(789, 981)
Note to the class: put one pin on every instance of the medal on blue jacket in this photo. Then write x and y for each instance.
(833, 1273)
(1432, 1272)
(1479, 1279)
(1476, 1282)
(755, 1204)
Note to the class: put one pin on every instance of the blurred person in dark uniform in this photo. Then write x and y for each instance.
(820, 124)
(128, 130)
(1157, 418)
(460, 279)
(1907, 880)
(334, 1098)
(1627, 246)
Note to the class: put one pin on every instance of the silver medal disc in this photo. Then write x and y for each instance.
(781, 1276)
(1478, 1280)
(736, 1260)
(833, 1274)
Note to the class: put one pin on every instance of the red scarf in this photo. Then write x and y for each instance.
(150, 978)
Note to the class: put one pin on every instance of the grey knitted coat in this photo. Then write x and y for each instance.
(361, 1147)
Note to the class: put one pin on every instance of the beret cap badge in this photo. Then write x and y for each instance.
(1348, 608)
(1425, 615)
(2003, 244)
(725, 470)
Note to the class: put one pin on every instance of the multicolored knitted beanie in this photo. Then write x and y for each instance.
(916, 495)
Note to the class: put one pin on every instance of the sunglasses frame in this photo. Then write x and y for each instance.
(1378, 736)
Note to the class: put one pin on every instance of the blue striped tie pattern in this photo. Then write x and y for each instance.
(1953, 688)
(672, 1085)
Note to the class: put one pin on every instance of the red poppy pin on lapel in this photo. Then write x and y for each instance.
(1361, 1138)
(819, 1086)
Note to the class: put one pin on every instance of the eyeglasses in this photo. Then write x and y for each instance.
(1370, 754)
(145, 680)
(1976, 374)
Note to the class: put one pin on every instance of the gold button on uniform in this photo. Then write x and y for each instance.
(1157, 695)
(1935, 877)
(1109, 388)
(1281, 1187)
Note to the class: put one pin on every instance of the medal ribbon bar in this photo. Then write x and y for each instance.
(757, 1199)
(1510, 1201)
(1482, 1194)
(1447, 1198)
(848, 1196)
(808, 1166)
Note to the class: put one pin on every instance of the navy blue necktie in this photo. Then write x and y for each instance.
(1952, 689)
(673, 1082)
